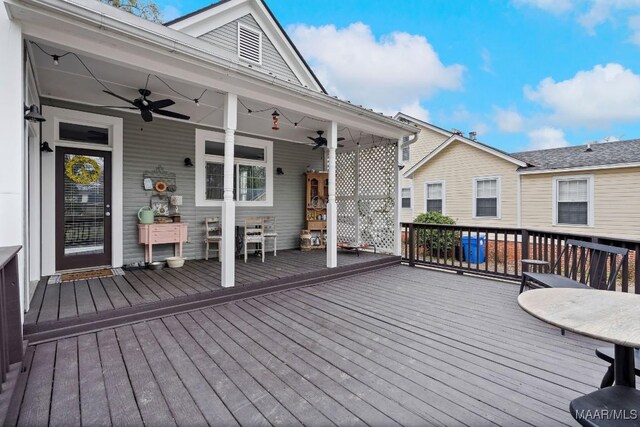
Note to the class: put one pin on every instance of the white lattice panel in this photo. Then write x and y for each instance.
(376, 169)
(346, 220)
(346, 174)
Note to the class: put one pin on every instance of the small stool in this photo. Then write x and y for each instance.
(538, 264)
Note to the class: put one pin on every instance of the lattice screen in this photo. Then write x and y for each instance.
(367, 217)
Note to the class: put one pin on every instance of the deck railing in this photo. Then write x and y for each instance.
(454, 247)
(10, 323)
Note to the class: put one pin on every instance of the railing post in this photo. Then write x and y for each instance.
(412, 249)
(525, 249)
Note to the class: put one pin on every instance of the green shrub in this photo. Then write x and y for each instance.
(434, 241)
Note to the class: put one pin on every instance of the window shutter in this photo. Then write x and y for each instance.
(249, 44)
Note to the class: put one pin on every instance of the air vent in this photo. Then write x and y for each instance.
(249, 44)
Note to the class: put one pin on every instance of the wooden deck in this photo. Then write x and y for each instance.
(140, 294)
(398, 346)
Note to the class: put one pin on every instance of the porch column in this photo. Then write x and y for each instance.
(228, 204)
(332, 209)
(12, 144)
(397, 232)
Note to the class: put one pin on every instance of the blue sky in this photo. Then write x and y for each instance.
(524, 74)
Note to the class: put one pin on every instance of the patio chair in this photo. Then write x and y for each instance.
(270, 232)
(213, 234)
(253, 234)
(606, 354)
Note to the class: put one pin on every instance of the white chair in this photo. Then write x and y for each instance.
(253, 233)
(213, 234)
(270, 232)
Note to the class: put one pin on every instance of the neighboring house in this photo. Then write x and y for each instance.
(587, 189)
(414, 150)
(230, 67)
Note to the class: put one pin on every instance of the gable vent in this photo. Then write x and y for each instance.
(249, 44)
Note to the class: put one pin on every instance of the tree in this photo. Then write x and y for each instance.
(146, 9)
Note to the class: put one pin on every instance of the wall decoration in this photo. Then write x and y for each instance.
(160, 205)
(158, 175)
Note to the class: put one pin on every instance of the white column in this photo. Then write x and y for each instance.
(228, 204)
(397, 236)
(12, 144)
(332, 209)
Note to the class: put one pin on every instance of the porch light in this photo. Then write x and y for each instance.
(275, 116)
(44, 148)
(33, 114)
(188, 163)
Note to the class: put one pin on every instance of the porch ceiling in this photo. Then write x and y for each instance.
(70, 81)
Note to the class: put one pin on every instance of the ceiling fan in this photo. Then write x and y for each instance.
(148, 107)
(321, 141)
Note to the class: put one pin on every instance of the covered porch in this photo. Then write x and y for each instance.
(74, 75)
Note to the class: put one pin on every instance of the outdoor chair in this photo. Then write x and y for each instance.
(606, 354)
(213, 234)
(253, 234)
(617, 401)
(585, 265)
(270, 232)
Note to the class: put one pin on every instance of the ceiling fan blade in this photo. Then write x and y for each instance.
(315, 147)
(172, 114)
(146, 115)
(118, 96)
(163, 103)
(340, 139)
(340, 145)
(313, 139)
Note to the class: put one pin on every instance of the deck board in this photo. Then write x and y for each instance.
(69, 300)
(398, 346)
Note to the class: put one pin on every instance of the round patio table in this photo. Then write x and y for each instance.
(605, 315)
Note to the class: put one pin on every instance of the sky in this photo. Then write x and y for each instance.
(523, 74)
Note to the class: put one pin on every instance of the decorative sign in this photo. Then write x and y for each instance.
(160, 180)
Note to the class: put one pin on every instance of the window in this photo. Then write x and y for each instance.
(573, 204)
(252, 174)
(486, 192)
(406, 197)
(249, 44)
(434, 196)
(406, 154)
(75, 132)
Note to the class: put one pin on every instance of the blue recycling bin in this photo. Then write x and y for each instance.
(473, 248)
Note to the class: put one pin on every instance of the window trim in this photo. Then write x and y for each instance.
(259, 33)
(201, 159)
(474, 206)
(444, 194)
(410, 188)
(590, 199)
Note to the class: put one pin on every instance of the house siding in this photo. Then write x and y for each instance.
(457, 165)
(226, 37)
(428, 140)
(167, 143)
(616, 203)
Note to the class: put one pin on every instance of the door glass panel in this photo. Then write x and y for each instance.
(81, 133)
(83, 205)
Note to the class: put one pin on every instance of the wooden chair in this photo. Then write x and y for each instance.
(584, 265)
(213, 234)
(270, 232)
(253, 233)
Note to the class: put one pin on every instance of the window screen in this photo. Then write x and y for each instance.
(573, 202)
(487, 198)
(434, 197)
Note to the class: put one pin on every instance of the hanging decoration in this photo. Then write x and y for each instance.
(83, 170)
(275, 116)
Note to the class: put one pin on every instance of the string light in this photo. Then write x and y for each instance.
(56, 59)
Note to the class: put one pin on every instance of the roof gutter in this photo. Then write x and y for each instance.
(524, 171)
(103, 16)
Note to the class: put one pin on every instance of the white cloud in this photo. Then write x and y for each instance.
(400, 69)
(485, 55)
(545, 138)
(508, 121)
(552, 6)
(594, 98)
(414, 110)
(480, 128)
(602, 10)
(634, 26)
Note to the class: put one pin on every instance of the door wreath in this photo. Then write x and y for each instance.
(83, 170)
